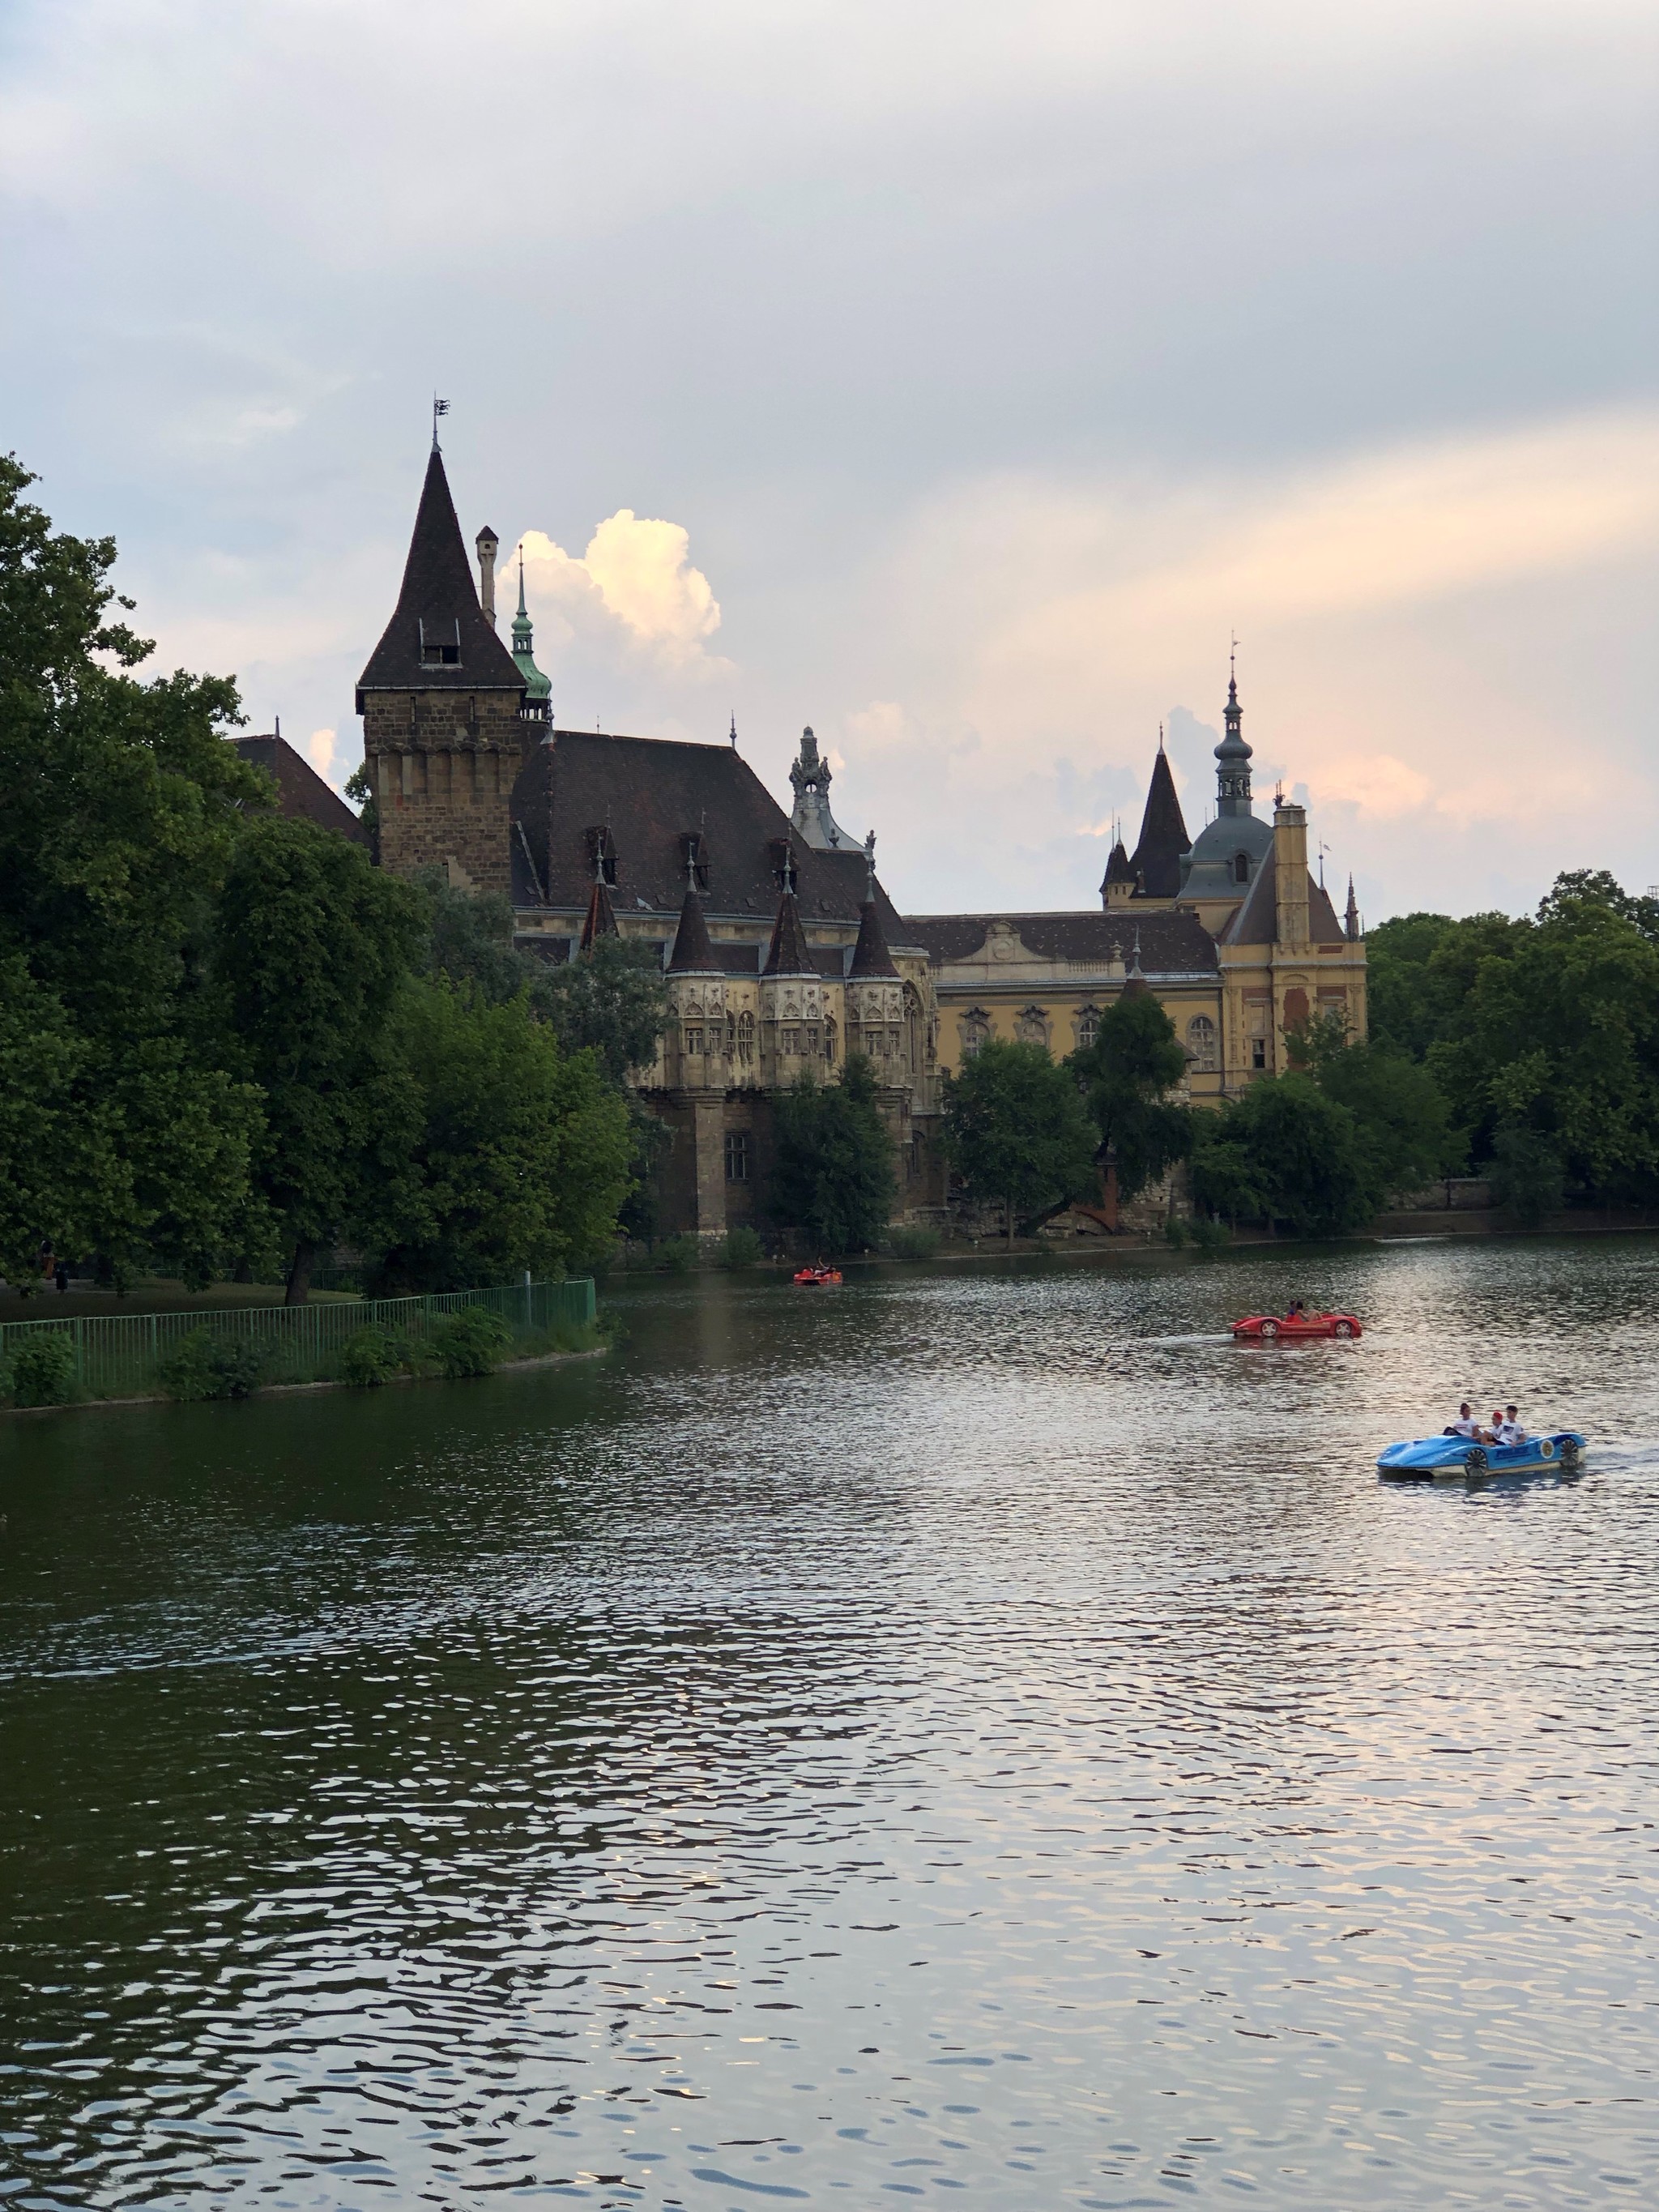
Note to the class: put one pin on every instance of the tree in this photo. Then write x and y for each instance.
(1400, 1116)
(1127, 1073)
(611, 1001)
(520, 1155)
(123, 1131)
(833, 1166)
(1294, 1152)
(1526, 1173)
(313, 947)
(1015, 1130)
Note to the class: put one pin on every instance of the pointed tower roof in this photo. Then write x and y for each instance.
(1163, 838)
(438, 639)
(786, 955)
(693, 954)
(1350, 928)
(1119, 868)
(601, 919)
(870, 955)
(536, 685)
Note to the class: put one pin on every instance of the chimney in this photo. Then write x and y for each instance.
(1291, 872)
(487, 543)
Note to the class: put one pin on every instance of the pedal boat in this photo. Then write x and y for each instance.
(818, 1278)
(1453, 1459)
(1269, 1329)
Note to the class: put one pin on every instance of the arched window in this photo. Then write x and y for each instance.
(1200, 1044)
(830, 1039)
(1032, 1027)
(976, 1032)
(746, 1038)
(1241, 867)
(1087, 1025)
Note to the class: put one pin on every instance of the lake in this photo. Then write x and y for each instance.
(977, 1736)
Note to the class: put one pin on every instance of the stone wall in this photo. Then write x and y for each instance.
(443, 764)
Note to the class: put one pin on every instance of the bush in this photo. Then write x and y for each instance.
(1208, 1236)
(202, 1365)
(741, 1249)
(675, 1255)
(369, 1357)
(43, 1369)
(1175, 1233)
(914, 1244)
(469, 1342)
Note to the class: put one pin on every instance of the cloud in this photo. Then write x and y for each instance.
(636, 579)
(318, 749)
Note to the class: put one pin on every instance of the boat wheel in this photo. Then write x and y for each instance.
(1476, 1460)
(1570, 1458)
(1270, 1329)
(1343, 1328)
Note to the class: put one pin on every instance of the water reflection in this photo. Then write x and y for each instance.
(981, 1732)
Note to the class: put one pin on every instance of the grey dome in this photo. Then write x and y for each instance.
(1210, 871)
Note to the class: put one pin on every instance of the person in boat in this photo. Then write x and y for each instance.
(1296, 1310)
(1466, 1424)
(1509, 1430)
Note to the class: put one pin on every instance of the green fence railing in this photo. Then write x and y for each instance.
(116, 1354)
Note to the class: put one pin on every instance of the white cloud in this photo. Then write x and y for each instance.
(635, 583)
(319, 750)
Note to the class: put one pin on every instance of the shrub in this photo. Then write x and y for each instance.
(1208, 1236)
(914, 1244)
(202, 1365)
(469, 1342)
(43, 1369)
(675, 1255)
(1175, 1233)
(741, 1249)
(369, 1357)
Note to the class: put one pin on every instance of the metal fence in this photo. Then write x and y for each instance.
(119, 1355)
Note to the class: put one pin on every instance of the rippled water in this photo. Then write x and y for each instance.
(977, 1736)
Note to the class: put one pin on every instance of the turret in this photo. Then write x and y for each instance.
(811, 819)
(700, 1046)
(537, 691)
(1232, 777)
(875, 994)
(1118, 884)
(1155, 862)
(1351, 928)
(794, 1005)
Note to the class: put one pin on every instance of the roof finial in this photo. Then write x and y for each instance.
(1160, 737)
(734, 729)
(439, 407)
(870, 865)
(522, 609)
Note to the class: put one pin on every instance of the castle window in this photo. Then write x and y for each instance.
(790, 1040)
(737, 1156)
(1088, 1026)
(1258, 1052)
(1241, 867)
(440, 652)
(746, 1038)
(693, 1040)
(1032, 1027)
(976, 1032)
(829, 1038)
(812, 1041)
(1200, 1044)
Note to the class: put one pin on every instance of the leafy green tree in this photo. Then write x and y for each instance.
(360, 791)
(1526, 1173)
(520, 1155)
(122, 1130)
(1399, 1112)
(833, 1164)
(1016, 1131)
(1295, 1152)
(314, 945)
(612, 1001)
(472, 942)
(1127, 1073)
(1420, 970)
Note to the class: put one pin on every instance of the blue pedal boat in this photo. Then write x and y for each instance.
(1450, 1459)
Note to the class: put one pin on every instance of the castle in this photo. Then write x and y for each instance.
(782, 952)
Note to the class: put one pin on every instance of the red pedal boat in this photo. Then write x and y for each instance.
(817, 1278)
(1294, 1328)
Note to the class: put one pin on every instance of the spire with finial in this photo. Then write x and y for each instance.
(811, 817)
(786, 955)
(1154, 866)
(1232, 780)
(693, 954)
(871, 957)
(1351, 926)
(1135, 984)
(734, 729)
(601, 921)
(537, 688)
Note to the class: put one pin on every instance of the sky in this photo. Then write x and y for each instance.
(959, 379)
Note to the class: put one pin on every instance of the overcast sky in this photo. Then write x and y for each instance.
(954, 378)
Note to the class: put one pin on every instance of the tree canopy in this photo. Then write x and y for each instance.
(1127, 1073)
(833, 1163)
(1016, 1131)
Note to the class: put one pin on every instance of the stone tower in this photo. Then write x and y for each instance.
(443, 738)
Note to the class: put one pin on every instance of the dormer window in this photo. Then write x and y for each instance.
(441, 648)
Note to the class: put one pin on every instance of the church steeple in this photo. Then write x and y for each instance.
(1232, 776)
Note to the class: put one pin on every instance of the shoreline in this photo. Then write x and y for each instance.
(299, 1390)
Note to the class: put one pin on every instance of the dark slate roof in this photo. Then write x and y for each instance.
(1256, 921)
(1118, 870)
(870, 955)
(300, 791)
(1171, 943)
(786, 955)
(1157, 859)
(693, 955)
(438, 591)
(651, 792)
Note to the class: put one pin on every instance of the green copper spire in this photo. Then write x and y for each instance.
(537, 688)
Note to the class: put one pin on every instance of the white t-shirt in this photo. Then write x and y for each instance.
(1468, 1428)
(1510, 1432)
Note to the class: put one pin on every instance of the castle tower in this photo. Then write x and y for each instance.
(817, 826)
(793, 1002)
(439, 699)
(1156, 860)
(1117, 886)
(1232, 775)
(1351, 921)
(875, 993)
